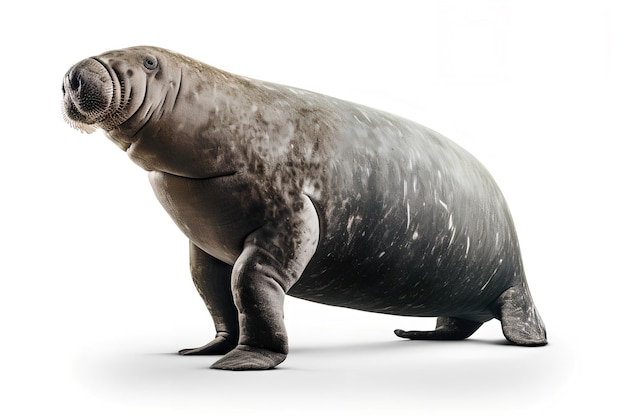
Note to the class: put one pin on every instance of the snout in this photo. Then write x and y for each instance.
(88, 92)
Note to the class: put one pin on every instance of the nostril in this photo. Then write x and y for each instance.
(74, 81)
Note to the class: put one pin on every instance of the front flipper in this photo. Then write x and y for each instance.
(273, 259)
(212, 279)
(448, 328)
(222, 344)
(247, 358)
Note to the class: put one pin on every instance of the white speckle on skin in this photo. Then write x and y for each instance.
(380, 255)
(445, 206)
(453, 234)
(467, 247)
(405, 188)
(365, 115)
(492, 275)
(309, 189)
(415, 235)
(408, 215)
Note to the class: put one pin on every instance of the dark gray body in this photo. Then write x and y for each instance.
(285, 191)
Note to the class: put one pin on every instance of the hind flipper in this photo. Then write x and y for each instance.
(521, 323)
(448, 328)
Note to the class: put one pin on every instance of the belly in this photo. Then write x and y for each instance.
(216, 214)
(417, 227)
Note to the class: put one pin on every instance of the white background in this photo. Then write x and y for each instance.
(95, 293)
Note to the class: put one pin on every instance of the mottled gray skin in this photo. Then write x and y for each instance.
(283, 191)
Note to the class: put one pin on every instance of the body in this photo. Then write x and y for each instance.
(283, 191)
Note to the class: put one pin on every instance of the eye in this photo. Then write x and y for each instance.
(150, 62)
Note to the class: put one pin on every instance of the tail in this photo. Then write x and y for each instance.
(521, 323)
